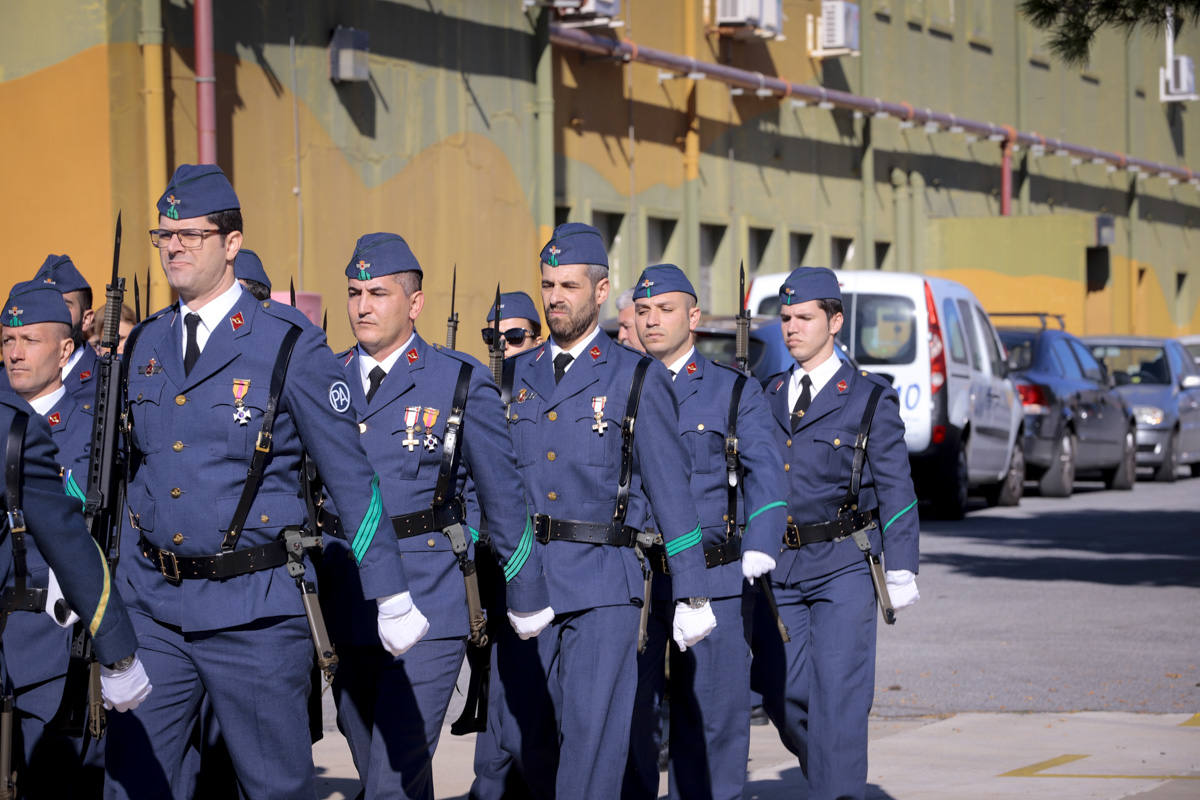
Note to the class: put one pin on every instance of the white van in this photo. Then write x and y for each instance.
(931, 338)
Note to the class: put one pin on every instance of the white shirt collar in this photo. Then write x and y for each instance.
(211, 314)
(575, 351)
(679, 364)
(366, 363)
(78, 354)
(43, 404)
(819, 375)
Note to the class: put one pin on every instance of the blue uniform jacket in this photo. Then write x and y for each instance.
(194, 457)
(81, 380)
(38, 645)
(704, 390)
(571, 471)
(817, 462)
(54, 521)
(422, 384)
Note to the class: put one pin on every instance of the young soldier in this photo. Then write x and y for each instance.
(520, 324)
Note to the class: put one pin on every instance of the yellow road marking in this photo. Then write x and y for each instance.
(1194, 722)
(1038, 771)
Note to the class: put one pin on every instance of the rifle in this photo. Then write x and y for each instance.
(742, 350)
(107, 470)
(496, 348)
(452, 320)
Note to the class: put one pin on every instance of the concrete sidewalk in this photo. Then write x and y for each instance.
(1101, 755)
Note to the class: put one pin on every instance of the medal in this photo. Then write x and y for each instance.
(600, 426)
(241, 414)
(429, 419)
(410, 423)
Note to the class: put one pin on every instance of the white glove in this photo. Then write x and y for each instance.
(125, 689)
(902, 588)
(755, 564)
(56, 604)
(401, 624)
(692, 624)
(529, 624)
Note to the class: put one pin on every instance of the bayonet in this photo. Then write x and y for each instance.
(452, 320)
(742, 342)
(496, 347)
(137, 300)
(292, 291)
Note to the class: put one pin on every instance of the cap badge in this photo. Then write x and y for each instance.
(49, 280)
(787, 291)
(646, 284)
(363, 274)
(172, 203)
(237, 320)
(554, 251)
(14, 317)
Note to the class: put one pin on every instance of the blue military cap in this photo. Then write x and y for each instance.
(249, 267)
(514, 304)
(31, 302)
(378, 254)
(575, 243)
(197, 190)
(59, 272)
(809, 283)
(660, 279)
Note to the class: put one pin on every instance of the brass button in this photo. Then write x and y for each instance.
(837, 441)
(700, 426)
(176, 492)
(430, 542)
(180, 399)
(550, 456)
(801, 413)
(362, 427)
(552, 415)
(265, 518)
(139, 397)
(177, 538)
(789, 517)
(87, 406)
(552, 496)
(789, 442)
(177, 447)
(725, 517)
(864, 373)
(787, 467)
(514, 415)
(266, 303)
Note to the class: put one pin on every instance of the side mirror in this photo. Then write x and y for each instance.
(1190, 382)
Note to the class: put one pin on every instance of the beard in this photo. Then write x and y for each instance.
(577, 323)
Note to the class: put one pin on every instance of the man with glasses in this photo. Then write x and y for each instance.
(225, 393)
(520, 324)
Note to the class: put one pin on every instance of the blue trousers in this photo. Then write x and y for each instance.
(257, 679)
(818, 688)
(391, 711)
(48, 763)
(496, 774)
(708, 695)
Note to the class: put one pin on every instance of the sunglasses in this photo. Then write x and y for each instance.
(514, 336)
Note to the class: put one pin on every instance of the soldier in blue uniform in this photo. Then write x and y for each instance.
(573, 402)
(250, 273)
(37, 344)
(59, 272)
(818, 688)
(433, 427)
(214, 486)
(520, 324)
(740, 502)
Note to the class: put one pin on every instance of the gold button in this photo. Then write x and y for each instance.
(789, 517)
(837, 441)
(139, 397)
(550, 415)
(430, 542)
(552, 496)
(787, 467)
(266, 303)
(864, 373)
(180, 399)
(176, 492)
(700, 426)
(514, 415)
(87, 406)
(177, 538)
(362, 427)
(801, 413)
(177, 447)
(265, 518)
(789, 442)
(550, 456)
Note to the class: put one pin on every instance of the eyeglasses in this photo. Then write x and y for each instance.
(190, 238)
(513, 336)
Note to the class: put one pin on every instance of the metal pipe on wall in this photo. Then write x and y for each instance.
(206, 84)
(1006, 178)
(150, 37)
(543, 127)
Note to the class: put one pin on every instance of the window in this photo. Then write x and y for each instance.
(885, 329)
(972, 342)
(952, 329)
(711, 237)
(941, 15)
(1134, 364)
(1066, 360)
(1091, 369)
(759, 240)
(562, 214)
(1176, 360)
(798, 248)
(609, 226)
(842, 252)
(989, 341)
(1020, 347)
(659, 231)
(980, 22)
(881, 253)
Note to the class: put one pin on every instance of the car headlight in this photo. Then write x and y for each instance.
(1148, 415)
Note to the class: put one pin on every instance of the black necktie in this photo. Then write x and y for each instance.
(672, 373)
(192, 352)
(803, 401)
(560, 365)
(376, 375)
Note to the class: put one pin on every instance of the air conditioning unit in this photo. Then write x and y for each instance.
(764, 16)
(588, 8)
(1182, 76)
(839, 25)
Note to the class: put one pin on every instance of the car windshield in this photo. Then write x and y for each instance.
(1020, 348)
(1134, 364)
(723, 347)
(1194, 351)
(880, 328)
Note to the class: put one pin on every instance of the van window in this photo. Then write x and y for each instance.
(953, 331)
(885, 329)
(972, 342)
(1090, 368)
(989, 339)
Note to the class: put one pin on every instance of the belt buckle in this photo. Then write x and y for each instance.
(541, 528)
(163, 555)
(16, 520)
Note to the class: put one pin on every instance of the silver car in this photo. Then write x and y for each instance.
(1160, 380)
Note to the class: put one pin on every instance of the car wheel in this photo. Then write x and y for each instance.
(1123, 475)
(1059, 479)
(1008, 491)
(951, 500)
(1170, 460)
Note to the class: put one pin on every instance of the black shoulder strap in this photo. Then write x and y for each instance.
(14, 462)
(262, 447)
(631, 406)
(452, 439)
(860, 445)
(733, 462)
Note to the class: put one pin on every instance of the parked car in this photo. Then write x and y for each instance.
(1160, 381)
(1192, 345)
(1075, 420)
(931, 338)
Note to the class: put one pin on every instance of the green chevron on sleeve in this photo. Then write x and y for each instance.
(767, 507)
(370, 523)
(907, 509)
(521, 554)
(681, 543)
(73, 489)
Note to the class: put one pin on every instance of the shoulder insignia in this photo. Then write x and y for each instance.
(339, 396)
(691, 368)
(594, 352)
(54, 419)
(412, 355)
(237, 320)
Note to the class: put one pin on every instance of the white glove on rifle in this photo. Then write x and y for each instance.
(125, 689)
(56, 605)
(529, 624)
(401, 624)
(755, 564)
(902, 588)
(692, 624)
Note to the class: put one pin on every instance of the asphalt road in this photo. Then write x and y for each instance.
(1090, 603)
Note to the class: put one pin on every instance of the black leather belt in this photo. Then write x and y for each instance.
(30, 599)
(432, 519)
(716, 555)
(214, 568)
(546, 529)
(796, 536)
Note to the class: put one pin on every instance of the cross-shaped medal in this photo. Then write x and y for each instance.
(600, 425)
(409, 441)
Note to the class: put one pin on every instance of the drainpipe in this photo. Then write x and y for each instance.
(543, 128)
(916, 191)
(1006, 178)
(150, 37)
(206, 84)
(866, 234)
(901, 224)
(691, 169)
(1131, 243)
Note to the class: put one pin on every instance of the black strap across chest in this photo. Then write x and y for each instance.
(18, 597)
(860, 448)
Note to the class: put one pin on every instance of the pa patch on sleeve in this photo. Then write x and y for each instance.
(339, 396)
